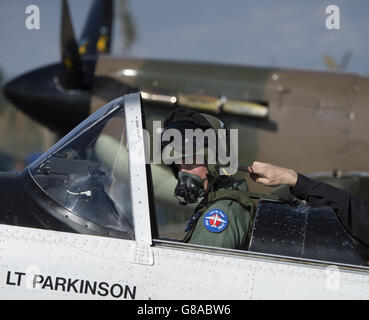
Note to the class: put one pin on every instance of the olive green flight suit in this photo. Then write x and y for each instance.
(238, 208)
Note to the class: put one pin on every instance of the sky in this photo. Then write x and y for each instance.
(280, 33)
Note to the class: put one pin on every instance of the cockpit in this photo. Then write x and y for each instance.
(103, 184)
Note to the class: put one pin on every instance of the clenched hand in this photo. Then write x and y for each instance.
(271, 175)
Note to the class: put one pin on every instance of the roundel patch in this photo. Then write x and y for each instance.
(215, 220)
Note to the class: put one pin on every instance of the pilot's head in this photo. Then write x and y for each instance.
(190, 145)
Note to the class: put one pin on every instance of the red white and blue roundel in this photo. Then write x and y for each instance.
(215, 220)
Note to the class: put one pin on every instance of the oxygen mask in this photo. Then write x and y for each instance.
(189, 188)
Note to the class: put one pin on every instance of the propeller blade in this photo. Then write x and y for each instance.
(96, 35)
(329, 62)
(72, 75)
(345, 60)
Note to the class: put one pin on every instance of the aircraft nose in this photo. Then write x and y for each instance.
(39, 95)
(12, 91)
(19, 90)
(8, 89)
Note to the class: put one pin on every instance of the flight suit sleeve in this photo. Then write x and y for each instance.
(352, 211)
(233, 236)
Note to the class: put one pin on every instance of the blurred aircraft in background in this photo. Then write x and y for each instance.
(313, 121)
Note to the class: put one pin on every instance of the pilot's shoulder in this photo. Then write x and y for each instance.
(222, 204)
(236, 208)
(229, 207)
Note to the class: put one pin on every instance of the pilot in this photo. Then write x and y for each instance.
(224, 216)
(352, 211)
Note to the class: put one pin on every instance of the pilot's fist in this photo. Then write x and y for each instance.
(271, 175)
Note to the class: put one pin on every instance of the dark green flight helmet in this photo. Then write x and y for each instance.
(204, 142)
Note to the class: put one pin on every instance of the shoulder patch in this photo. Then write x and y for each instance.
(215, 220)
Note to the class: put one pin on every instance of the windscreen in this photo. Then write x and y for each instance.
(87, 171)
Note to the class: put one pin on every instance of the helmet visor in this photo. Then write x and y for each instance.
(185, 142)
